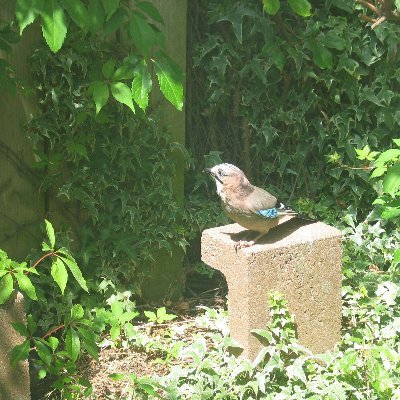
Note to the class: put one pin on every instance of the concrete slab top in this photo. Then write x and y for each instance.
(292, 231)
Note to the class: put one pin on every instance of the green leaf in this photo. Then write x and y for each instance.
(76, 272)
(20, 352)
(89, 342)
(42, 373)
(26, 11)
(141, 85)
(50, 233)
(170, 79)
(78, 13)
(6, 288)
(379, 171)
(54, 27)
(321, 55)
(396, 256)
(142, 34)
(100, 93)
(124, 72)
(108, 68)
(77, 312)
(151, 10)
(59, 273)
(396, 141)
(121, 93)
(53, 342)
(43, 352)
(115, 21)
(301, 7)
(96, 15)
(116, 376)
(388, 155)
(391, 181)
(25, 285)
(117, 308)
(21, 328)
(115, 332)
(271, 7)
(110, 6)
(32, 326)
(391, 212)
(73, 344)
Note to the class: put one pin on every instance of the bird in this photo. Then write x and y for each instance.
(250, 206)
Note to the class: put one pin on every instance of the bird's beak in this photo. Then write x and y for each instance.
(210, 172)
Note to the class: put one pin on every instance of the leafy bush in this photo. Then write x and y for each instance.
(283, 93)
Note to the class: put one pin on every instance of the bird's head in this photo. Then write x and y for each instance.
(227, 175)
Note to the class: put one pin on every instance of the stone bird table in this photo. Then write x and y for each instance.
(302, 260)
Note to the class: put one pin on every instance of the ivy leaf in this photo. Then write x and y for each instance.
(76, 272)
(50, 233)
(25, 285)
(122, 93)
(100, 93)
(26, 11)
(78, 13)
(142, 34)
(54, 27)
(301, 7)
(6, 288)
(73, 344)
(391, 181)
(321, 55)
(170, 80)
(59, 273)
(271, 7)
(141, 85)
(151, 10)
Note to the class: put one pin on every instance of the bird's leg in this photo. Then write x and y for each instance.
(244, 243)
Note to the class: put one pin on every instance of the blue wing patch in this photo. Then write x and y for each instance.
(268, 213)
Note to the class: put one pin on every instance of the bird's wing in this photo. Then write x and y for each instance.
(265, 204)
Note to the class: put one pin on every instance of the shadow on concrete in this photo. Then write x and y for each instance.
(275, 234)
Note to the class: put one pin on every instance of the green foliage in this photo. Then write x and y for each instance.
(97, 20)
(292, 92)
(118, 163)
(160, 316)
(8, 37)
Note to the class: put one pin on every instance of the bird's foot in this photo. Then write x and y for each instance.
(241, 244)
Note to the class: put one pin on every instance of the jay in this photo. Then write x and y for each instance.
(250, 206)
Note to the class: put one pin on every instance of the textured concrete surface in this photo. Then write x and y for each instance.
(14, 381)
(302, 260)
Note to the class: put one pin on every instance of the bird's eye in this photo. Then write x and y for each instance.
(221, 172)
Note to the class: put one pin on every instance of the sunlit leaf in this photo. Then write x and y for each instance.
(50, 233)
(26, 11)
(59, 273)
(170, 79)
(6, 288)
(122, 93)
(301, 7)
(78, 13)
(73, 344)
(141, 85)
(100, 94)
(25, 285)
(76, 272)
(271, 6)
(54, 26)
(391, 181)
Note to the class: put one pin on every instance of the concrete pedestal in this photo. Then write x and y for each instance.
(14, 381)
(299, 259)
